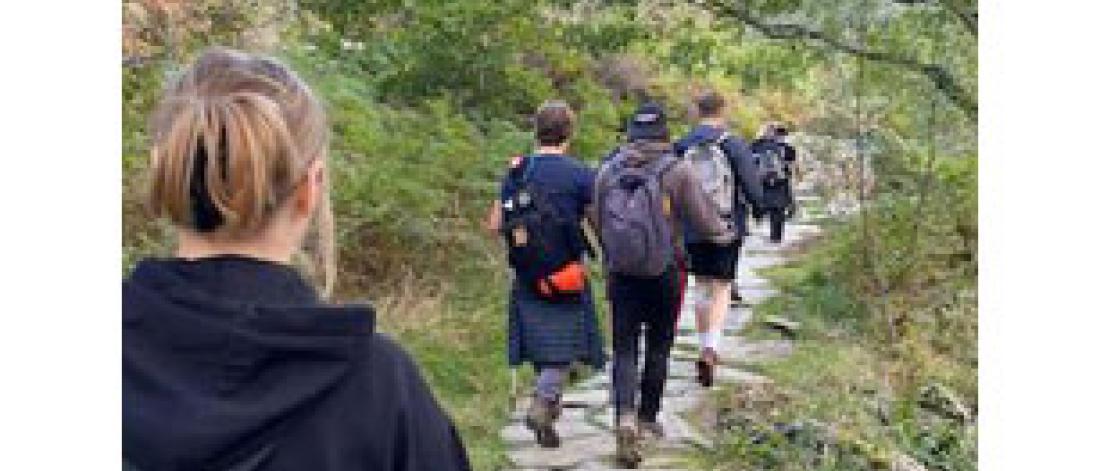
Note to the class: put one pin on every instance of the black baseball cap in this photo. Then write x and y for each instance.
(648, 123)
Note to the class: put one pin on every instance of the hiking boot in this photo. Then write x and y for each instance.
(628, 450)
(555, 409)
(540, 420)
(704, 367)
(650, 429)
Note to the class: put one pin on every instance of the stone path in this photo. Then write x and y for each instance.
(586, 423)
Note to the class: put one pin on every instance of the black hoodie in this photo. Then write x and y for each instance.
(231, 363)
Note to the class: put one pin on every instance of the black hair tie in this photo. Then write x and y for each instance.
(205, 216)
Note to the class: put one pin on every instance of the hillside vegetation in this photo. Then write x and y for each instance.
(429, 99)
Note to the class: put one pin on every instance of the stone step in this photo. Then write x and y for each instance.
(736, 320)
(735, 350)
(784, 325)
(571, 454)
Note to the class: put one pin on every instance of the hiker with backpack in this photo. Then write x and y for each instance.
(643, 195)
(776, 163)
(725, 168)
(551, 314)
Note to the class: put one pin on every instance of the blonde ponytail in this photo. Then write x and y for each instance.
(231, 140)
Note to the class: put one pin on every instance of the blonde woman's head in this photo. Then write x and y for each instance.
(239, 144)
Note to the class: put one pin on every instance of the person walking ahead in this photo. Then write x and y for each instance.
(551, 315)
(643, 192)
(230, 358)
(776, 163)
(726, 169)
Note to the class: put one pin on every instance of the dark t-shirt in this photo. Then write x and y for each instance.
(566, 182)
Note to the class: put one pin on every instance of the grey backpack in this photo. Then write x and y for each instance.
(770, 163)
(712, 168)
(635, 224)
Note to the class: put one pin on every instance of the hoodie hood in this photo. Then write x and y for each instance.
(220, 355)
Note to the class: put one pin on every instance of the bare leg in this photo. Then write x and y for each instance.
(702, 305)
(719, 306)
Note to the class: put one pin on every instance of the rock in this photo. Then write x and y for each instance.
(599, 381)
(678, 369)
(516, 434)
(572, 425)
(680, 434)
(785, 326)
(733, 375)
(681, 404)
(938, 398)
(757, 295)
(903, 462)
(596, 397)
(737, 350)
(571, 453)
(883, 410)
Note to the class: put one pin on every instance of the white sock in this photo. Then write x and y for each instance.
(713, 339)
(704, 339)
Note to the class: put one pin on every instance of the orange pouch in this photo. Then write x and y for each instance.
(568, 280)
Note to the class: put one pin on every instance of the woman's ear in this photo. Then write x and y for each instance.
(309, 193)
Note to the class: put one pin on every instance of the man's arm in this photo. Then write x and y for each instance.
(493, 218)
(745, 173)
(790, 156)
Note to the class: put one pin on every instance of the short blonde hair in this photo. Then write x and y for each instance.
(232, 138)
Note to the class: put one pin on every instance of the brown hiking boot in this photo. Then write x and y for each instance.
(540, 420)
(628, 451)
(704, 367)
(650, 429)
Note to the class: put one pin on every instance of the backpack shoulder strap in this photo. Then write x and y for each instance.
(529, 166)
(614, 158)
(665, 163)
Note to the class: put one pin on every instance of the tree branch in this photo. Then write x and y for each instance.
(968, 18)
(944, 81)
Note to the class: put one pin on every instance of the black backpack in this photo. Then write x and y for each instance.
(769, 161)
(540, 241)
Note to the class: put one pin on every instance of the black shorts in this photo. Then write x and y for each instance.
(711, 260)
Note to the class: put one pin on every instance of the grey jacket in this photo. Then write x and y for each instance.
(689, 204)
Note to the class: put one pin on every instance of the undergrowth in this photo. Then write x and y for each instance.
(885, 359)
